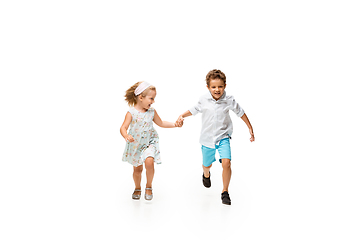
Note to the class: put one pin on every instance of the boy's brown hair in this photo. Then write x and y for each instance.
(215, 74)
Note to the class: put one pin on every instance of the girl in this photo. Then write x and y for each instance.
(142, 141)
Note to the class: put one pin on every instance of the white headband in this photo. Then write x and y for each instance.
(141, 88)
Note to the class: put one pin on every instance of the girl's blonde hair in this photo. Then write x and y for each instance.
(130, 97)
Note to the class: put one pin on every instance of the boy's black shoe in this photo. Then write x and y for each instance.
(206, 181)
(225, 198)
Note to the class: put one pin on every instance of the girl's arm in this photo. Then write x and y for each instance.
(161, 123)
(124, 127)
(246, 120)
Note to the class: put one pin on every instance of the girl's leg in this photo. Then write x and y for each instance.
(206, 171)
(137, 178)
(149, 165)
(226, 175)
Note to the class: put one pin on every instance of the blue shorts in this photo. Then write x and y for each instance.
(209, 153)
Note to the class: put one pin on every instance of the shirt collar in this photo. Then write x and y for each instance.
(209, 96)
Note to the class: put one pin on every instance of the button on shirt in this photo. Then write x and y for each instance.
(216, 121)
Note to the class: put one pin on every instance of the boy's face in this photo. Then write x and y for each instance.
(216, 88)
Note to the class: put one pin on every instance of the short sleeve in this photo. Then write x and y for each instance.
(235, 107)
(196, 109)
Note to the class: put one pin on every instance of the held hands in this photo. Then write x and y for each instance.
(179, 122)
(129, 138)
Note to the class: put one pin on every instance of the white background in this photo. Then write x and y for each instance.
(292, 65)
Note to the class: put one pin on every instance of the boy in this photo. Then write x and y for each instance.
(217, 127)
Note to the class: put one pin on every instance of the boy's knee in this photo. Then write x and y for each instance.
(226, 163)
(208, 166)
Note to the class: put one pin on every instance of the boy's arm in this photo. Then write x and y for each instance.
(246, 120)
(180, 120)
(192, 111)
(186, 114)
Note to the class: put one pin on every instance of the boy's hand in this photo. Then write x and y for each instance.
(179, 122)
(129, 138)
(252, 135)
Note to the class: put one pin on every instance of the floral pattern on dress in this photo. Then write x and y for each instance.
(146, 139)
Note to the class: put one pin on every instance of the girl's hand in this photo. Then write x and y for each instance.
(252, 135)
(129, 138)
(179, 122)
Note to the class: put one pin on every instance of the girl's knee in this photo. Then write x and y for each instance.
(138, 169)
(149, 162)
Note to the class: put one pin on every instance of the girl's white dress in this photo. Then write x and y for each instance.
(146, 139)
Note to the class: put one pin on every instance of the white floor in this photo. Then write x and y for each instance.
(91, 199)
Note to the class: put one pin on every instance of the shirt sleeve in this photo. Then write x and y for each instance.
(196, 109)
(235, 107)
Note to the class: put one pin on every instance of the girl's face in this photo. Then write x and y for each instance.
(216, 88)
(145, 102)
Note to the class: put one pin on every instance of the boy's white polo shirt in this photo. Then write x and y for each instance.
(216, 121)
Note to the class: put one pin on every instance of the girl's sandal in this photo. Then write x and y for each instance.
(148, 196)
(136, 196)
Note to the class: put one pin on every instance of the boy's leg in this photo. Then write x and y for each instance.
(206, 176)
(206, 171)
(226, 175)
(137, 178)
(149, 165)
(225, 159)
(208, 159)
